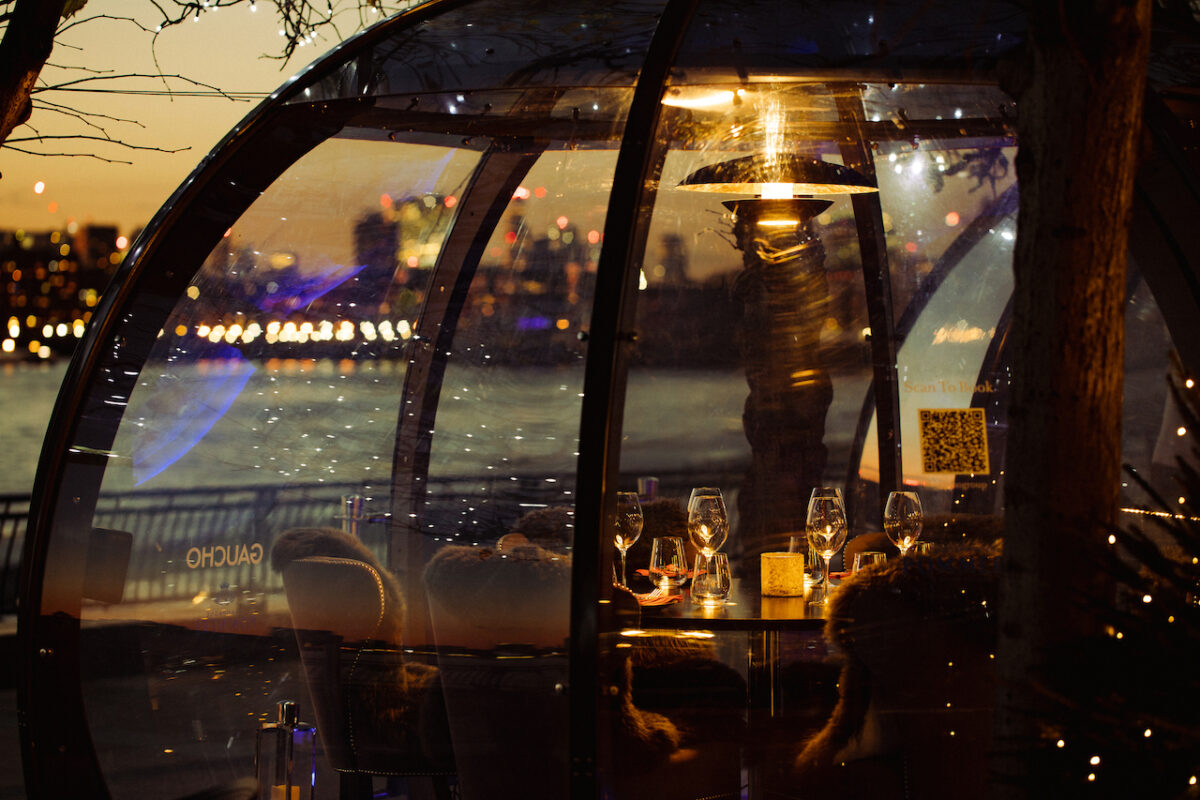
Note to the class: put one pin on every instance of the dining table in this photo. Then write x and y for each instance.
(763, 618)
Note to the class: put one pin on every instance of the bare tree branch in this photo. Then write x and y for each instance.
(31, 27)
(79, 68)
(50, 105)
(96, 156)
(88, 118)
(74, 85)
(106, 139)
(66, 26)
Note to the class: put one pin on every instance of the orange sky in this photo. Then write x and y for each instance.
(224, 48)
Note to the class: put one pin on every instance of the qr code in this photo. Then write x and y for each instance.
(954, 440)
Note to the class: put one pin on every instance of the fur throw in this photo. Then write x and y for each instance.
(299, 543)
(964, 529)
(644, 738)
(664, 517)
(898, 626)
(481, 597)
(552, 528)
(947, 532)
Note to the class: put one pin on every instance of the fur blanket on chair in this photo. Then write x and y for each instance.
(298, 543)
(942, 530)
(916, 636)
(482, 598)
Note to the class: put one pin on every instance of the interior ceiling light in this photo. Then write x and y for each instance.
(696, 97)
(777, 177)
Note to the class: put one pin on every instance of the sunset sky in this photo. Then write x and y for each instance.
(224, 48)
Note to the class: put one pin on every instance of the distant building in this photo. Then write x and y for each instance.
(52, 281)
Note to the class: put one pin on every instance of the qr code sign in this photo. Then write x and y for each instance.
(954, 440)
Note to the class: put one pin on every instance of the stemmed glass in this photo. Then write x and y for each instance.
(629, 526)
(826, 527)
(902, 520)
(708, 522)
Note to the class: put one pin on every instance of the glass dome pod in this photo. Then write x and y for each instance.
(342, 448)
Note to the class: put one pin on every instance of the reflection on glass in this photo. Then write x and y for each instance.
(629, 526)
(826, 528)
(708, 522)
(902, 519)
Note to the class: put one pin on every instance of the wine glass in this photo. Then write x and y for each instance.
(668, 564)
(902, 519)
(629, 526)
(708, 522)
(826, 527)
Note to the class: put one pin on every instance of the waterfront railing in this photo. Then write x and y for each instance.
(179, 536)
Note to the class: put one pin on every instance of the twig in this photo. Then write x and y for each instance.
(105, 139)
(8, 146)
(79, 69)
(84, 116)
(66, 26)
(65, 86)
(50, 105)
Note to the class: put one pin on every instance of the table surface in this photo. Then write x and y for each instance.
(745, 610)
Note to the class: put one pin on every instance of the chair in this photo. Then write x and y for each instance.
(500, 622)
(914, 713)
(679, 713)
(376, 715)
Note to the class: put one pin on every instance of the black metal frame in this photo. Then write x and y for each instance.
(59, 759)
(58, 756)
(872, 245)
(497, 176)
(603, 390)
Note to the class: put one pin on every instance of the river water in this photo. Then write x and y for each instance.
(27, 394)
(703, 405)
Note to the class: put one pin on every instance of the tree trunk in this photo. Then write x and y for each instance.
(1079, 97)
(27, 43)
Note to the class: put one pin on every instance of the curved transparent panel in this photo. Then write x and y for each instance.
(314, 525)
(820, 244)
(555, 54)
(950, 253)
(800, 327)
(322, 494)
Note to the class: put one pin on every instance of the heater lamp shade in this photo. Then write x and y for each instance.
(756, 175)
